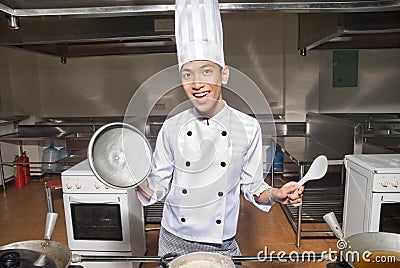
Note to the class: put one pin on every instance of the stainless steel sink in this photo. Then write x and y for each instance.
(380, 132)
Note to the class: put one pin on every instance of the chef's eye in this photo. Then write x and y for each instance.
(207, 71)
(186, 75)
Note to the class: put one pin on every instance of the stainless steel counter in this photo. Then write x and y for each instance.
(327, 136)
(74, 136)
(14, 119)
(334, 137)
(303, 150)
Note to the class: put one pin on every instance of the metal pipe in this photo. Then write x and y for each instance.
(298, 6)
(13, 23)
(117, 259)
(299, 211)
(281, 258)
(2, 175)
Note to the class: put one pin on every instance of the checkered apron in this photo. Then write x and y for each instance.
(169, 243)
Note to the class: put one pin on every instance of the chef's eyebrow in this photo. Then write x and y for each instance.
(211, 65)
(206, 65)
(186, 70)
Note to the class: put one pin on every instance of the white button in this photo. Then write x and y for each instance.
(384, 183)
(69, 185)
(395, 184)
(78, 185)
(97, 185)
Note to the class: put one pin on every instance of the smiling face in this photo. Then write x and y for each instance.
(202, 82)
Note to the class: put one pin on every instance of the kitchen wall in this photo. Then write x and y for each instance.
(94, 86)
(22, 94)
(103, 86)
(6, 99)
(261, 45)
(301, 75)
(378, 84)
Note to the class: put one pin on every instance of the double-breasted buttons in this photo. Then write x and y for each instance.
(183, 219)
(189, 133)
(223, 164)
(224, 133)
(220, 193)
(184, 191)
(218, 221)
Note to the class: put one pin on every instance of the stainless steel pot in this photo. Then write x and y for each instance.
(354, 247)
(55, 251)
(219, 260)
(44, 253)
(360, 245)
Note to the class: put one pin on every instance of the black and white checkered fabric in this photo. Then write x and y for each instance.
(169, 243)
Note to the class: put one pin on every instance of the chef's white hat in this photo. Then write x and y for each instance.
(198, 31)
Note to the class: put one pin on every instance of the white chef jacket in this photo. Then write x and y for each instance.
(199, 167)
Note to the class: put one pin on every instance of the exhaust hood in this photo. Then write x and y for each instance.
(76, 28)
(92, 36)
(349, 30)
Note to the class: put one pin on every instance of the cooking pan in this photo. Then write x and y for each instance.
(56, 254)
(37, 253)
(357, 247)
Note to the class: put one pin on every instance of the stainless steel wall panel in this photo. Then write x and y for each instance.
(378, 87)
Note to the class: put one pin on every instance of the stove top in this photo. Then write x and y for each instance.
(80, 179)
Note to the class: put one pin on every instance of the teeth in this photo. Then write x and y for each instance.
(199, 95)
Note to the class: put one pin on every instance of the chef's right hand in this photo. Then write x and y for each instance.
(287, 194)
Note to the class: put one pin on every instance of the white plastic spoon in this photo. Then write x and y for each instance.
(316, 171)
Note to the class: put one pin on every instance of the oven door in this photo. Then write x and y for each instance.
(385, 213)
(98, 222)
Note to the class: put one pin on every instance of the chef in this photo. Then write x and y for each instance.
(207, 155)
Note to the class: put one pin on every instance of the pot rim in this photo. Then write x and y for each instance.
(208, 256)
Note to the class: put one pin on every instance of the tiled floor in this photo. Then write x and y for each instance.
(23, 212)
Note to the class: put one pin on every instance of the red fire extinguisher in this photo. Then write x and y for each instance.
(27, 170)
(19, 176)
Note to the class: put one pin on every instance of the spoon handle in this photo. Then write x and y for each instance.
(302, 181)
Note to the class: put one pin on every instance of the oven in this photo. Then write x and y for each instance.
(97, 222)
(101, 220)
(372, 194)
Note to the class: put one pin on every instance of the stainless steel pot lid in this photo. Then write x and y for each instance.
(56, 254)
(119, 155)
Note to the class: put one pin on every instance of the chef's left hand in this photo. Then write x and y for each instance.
(287, 194)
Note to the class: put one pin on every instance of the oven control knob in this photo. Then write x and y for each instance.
(78, 185)
(97, 185)
(69, 185)
(384, 184)
(395, 184)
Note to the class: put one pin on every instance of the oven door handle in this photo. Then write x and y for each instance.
(391, 198)
(95, 200)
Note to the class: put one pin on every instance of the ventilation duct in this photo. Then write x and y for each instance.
(75, 28)
(349, 30)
